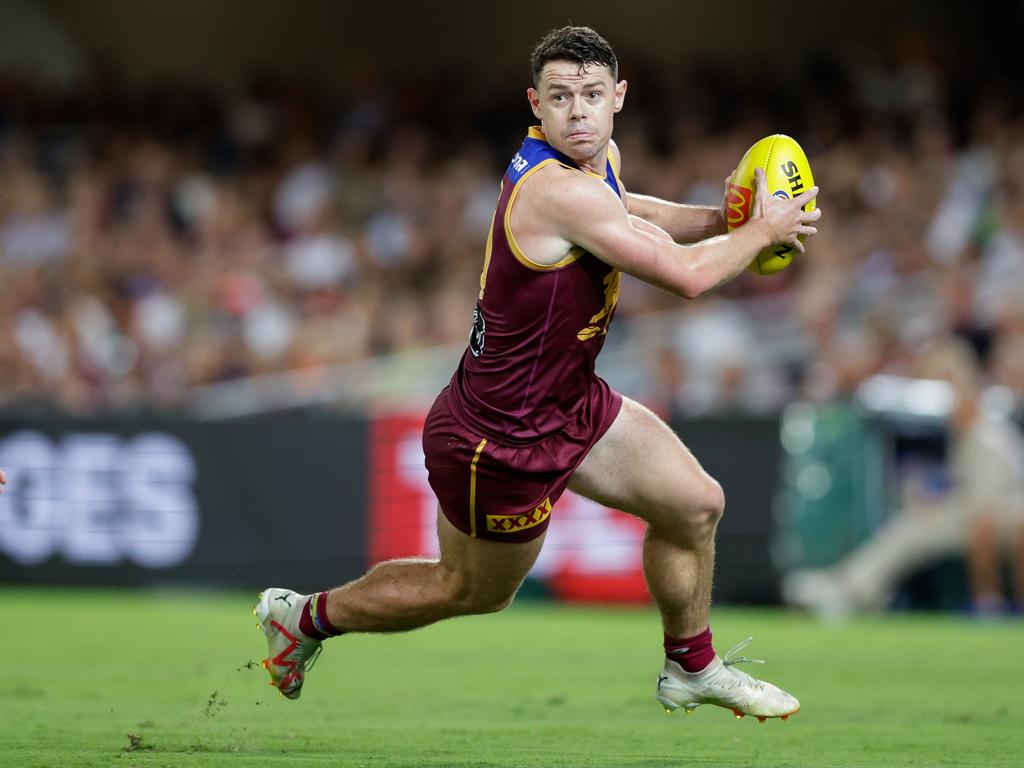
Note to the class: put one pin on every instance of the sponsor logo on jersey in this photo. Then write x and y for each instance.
(519, 163)
(478, 332)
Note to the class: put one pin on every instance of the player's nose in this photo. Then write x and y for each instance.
(579, 108)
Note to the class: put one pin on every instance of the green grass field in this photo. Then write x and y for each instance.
(140, 679)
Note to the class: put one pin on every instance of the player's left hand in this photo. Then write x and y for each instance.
(3, 480)
(786, 219)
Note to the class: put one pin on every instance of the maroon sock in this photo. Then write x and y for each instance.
(691, 653)
(313, 621)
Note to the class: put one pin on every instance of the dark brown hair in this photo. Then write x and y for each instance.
(580, 45)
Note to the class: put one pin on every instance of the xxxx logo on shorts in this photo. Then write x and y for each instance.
(513, 523)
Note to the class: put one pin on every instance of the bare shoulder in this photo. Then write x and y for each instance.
(554, 210)
(556, 190)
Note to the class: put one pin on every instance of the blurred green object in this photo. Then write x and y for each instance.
(833, 490)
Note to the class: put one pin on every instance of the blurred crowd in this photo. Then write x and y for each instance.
(156, 239)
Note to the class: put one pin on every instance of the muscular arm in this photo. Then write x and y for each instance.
(652, 229)
(584, 211)
(684, 223)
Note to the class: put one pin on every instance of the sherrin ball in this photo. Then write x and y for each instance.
(788, 174)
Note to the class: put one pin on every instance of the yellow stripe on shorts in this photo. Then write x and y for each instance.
(472, 488)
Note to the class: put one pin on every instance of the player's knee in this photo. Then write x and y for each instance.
(492, 603)
(713, 501)
(707, 507)
(484, 602)
(468, 596)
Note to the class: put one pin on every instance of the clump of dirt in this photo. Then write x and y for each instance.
(135, 744)
(214, 705)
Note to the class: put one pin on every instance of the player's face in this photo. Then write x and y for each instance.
(576, 108)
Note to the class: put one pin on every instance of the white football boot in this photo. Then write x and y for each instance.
(725, 686)
(289, 652)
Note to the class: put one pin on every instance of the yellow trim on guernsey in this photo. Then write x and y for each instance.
(521, 257)
(618, 181)
(611, 163)
(487, 255)
(472, 488)
(536, 132)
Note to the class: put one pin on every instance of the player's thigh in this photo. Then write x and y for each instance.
(485, 573)
(642, 467)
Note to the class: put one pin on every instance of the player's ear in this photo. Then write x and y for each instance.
(620, 94)
(534, 98)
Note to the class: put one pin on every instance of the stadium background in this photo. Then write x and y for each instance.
(239, 243)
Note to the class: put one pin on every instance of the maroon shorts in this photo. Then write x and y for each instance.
(505, 493)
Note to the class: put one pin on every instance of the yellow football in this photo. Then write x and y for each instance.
(788, 173)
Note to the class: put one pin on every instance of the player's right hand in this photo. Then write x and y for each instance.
(723, 209)
(784, 218)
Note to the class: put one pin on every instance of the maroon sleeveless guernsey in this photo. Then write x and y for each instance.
(537, 329)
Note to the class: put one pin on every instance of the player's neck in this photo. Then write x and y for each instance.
(597, 164)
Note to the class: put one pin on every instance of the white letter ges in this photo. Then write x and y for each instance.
(98, 499)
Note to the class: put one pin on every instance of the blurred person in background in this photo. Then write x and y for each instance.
(1007, 366)
(980, 517)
